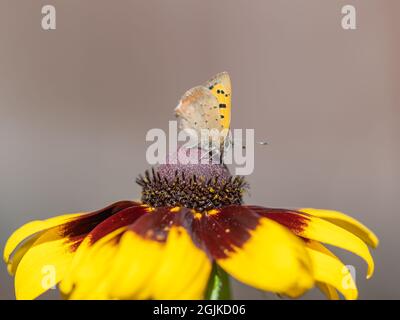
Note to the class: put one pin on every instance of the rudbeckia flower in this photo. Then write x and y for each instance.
(190, 225)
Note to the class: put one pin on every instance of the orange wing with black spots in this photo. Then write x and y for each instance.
(220, 86)
(208, 107)
(198, 109)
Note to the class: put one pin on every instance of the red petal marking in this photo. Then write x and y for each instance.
(221, 232)
(121, 219)
(78, 228)
(294, 220)
(218, 233)
(155, 225)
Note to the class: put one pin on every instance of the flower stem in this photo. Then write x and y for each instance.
(218, 287)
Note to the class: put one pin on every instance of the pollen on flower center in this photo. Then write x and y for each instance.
(194, 192)
(201, 187)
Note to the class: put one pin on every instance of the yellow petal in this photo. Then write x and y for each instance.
(86, 277)
(174, 269)
(346, 222)
(32, 228)
(272, 259)
(189, 263)
(95, 256)
(330, 270)
(43, 265)
(138, 268)
(328, 290)
(13, 262)
(324, 231)
(135, 265)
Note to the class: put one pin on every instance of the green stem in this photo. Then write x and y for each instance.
(218, 287)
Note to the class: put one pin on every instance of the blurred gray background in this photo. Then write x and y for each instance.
(76, 103)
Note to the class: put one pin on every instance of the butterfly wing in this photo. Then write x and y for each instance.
(220, 86)
(208, 107)
(198, 109)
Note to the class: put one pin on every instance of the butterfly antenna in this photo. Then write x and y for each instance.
(261, 143)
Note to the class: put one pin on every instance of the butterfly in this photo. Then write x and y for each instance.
(208, 107)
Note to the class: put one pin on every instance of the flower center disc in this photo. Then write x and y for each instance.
(201, 187)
